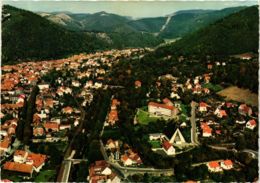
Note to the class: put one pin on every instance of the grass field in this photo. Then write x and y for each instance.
(143, 117)
(239, 95)
(46, 176)
(155, 143)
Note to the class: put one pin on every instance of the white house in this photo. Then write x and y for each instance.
(43, 86)
(251, 124)
(203, 107)
(156, 136)
(226, 164)
(20, 156)
(158, 109)
(126, 160)
(214, 166)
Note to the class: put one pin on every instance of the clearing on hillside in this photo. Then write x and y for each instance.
(240, 95)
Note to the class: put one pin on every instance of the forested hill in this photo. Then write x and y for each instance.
(237, 33)
(26, 35)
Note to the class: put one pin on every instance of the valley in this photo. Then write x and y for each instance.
(100, 97)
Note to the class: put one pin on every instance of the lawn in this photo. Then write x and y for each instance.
(144, 118)
(155, 143)
(212, 87)
(46, 176)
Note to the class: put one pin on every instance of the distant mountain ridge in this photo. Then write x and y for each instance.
(28, 36)
(180, 22)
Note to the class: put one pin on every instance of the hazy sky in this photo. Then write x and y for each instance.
(126, 8)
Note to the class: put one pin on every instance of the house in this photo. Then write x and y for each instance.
(111, 144)
(251, 124)
(226, 164)
(167, 102)
(177, 137)
(156, 136)
(126, 160)
(22, 168)
(112, 117)
(20, 156)
(203, 107)
(168, 148)
(75, 83)
(37, 160)
(50, 126)
(43, 86)
(158, 109)
(245, 110)
(67, 110)
(214, 166)
(5, 144)
(206, 130)
(138, 84)
(220, 113)
(100, 171)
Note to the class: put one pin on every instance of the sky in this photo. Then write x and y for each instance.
(135, 9)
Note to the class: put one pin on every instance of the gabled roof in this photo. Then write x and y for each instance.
(228, 162)
(166, 145)
(18, 167)
(177, 136)
(213, 164)
(160, 105)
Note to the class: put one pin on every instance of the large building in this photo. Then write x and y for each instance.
(158, 109)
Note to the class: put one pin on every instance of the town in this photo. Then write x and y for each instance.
(86, 118)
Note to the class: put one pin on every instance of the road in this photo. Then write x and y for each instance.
(254, 154)
(194, 135)
(64, 172)
(126, 171)
(133, 170)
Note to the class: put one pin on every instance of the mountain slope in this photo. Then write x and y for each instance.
(184, 22)
(26, 35)
(148, 24)
(237, 33)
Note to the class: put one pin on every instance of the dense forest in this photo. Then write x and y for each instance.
(28, 36)
(234, 34)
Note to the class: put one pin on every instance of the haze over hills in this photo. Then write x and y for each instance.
(234, 34)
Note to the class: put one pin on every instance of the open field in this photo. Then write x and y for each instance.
(239, 95)
(155, 143)
(144, 118)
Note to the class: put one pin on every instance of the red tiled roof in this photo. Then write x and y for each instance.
(252, 122)
(160, 105)
(213, 164)
(18, 167)
(228, 162)
(166, 145)
(38, 159)
(51, 125)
